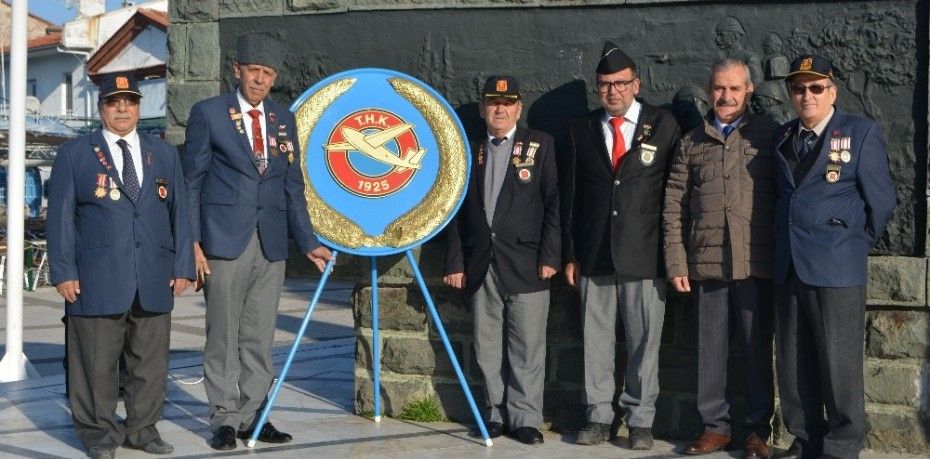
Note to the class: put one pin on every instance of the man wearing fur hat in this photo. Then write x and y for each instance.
(247, 193)
(612, 183)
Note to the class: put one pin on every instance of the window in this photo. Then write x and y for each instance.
(31, 87)
(68, 95)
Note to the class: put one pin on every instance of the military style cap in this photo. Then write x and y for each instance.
(613, 60)
(259, 48)
(501, 86)
(118, 83)
(809, 64)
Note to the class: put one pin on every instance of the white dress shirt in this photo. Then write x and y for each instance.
(245, 107)
(627, 129)
(135, 149)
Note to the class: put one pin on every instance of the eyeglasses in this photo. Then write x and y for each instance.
(116, 101)
(815, 89)
(618, 85)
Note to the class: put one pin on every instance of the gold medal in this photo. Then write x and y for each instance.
(100, 192)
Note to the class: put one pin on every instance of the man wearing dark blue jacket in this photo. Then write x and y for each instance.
(241, 164)
(120, 245)
(834, 198)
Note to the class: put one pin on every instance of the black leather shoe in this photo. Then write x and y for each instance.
(528, 435)
(495, 429)
(268, 434)
(224, 438)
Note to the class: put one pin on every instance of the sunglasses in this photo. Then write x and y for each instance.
(815, 89)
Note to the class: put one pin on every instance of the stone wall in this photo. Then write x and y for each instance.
(552, 47)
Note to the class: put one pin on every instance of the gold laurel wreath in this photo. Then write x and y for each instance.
(417, 223)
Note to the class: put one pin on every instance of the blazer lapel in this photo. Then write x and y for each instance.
(597, 137)
(480, 161)
(783, 168)
(504, 197)
(818, 169)
(239, 123)
(99, 143)
(148, 159)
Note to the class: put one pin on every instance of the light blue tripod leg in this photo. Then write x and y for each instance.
(445, 341)
(375, 338)
(290, 356)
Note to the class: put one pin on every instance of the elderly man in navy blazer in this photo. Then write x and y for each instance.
(241, 163)
(834, 198)
(120, 246)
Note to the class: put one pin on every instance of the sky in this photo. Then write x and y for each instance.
(59, 12)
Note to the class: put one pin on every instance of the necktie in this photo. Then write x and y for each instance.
(130, 179)
(727, 130)
(258, 146)
(498, 140)
(808, 138)
(619, 145)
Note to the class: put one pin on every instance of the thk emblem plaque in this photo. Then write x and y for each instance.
(385, 160)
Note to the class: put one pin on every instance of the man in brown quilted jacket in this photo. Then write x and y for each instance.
(719, 246)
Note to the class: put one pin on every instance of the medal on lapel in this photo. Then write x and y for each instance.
(517, 149)
(833, 173)
(647, 154)
(481, 155)
(102, 158)
(161, 187)
(845, 146)
(647, 132)
(114, 191)
(524, 174)
(101, 189)
(236, 117)
(148, 159)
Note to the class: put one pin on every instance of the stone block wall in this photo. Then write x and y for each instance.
(414, 364)
(551, 46)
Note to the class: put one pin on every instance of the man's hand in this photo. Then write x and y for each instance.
(319, 256)
(179, 285)
(69, 290)
(681, 284)
(203, 269)
(546, 272)
(571, 273)
(454, 280)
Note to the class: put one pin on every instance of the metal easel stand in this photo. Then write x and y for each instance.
(376, 351)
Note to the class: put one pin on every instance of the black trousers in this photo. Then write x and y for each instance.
(95, 344)
(819, 356)
(744, 307)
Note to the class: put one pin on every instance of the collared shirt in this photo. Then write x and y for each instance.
(244, 108)
(135, 149)
(719, 125)
(819, 128)
(628, 128)
(498, 158)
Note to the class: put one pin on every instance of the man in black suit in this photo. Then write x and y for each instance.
(503, 247)
(612, 184)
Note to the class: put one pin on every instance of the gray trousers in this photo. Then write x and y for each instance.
(819, 355)
(641, 303)
(510, 346)
(242, 307)
(744, 306)
(94, 347)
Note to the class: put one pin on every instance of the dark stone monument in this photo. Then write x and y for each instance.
(880, 49)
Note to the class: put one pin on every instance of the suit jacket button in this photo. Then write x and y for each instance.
(614, 213)
(138, 245)
(493, 235)
(259, 207)
(135, 214)
(616, 182)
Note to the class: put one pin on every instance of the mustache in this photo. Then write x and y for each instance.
(727, 103)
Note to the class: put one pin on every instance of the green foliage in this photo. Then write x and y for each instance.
(423, 410)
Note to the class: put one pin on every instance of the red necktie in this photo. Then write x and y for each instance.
(258, 146)
(619, 145)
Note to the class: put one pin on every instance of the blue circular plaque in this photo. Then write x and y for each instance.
(385, 160)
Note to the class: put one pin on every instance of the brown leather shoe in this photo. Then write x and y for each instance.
(755, 448)
(707, 442)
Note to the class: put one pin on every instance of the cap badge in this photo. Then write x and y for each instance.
(502, 85)
(122, 82)
(807, 63)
